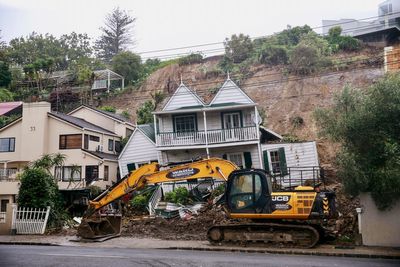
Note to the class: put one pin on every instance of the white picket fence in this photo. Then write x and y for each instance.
(30, 220)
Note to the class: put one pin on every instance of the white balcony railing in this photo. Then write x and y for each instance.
(213, 136)
(8, 174)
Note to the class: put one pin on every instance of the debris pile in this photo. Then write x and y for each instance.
(190, 228)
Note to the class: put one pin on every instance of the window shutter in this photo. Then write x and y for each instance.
(282, 159)
(266, 163)
(131, 167)
(247, 160)
(224, 156)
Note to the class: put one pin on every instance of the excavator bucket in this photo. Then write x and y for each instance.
(100, 228)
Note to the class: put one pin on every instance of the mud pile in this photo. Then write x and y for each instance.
(175, 228)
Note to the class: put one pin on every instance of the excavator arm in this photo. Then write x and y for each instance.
(148, 174)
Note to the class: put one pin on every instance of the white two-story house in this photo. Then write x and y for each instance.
(90, 141)
(227, 127)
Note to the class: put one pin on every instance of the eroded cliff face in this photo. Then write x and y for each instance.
(287, 102)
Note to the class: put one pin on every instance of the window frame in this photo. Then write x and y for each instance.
(106, 173)
(111, 145)
(231, 112)
(228, 155)
(94, 138)
(175, 117)
(9, 144)
(65, 146)
(271, 162)
(59, 172)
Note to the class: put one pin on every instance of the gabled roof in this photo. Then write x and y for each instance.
(230, 92)
(183, 97)
(81, 123)
(148, 130)
(116, 117)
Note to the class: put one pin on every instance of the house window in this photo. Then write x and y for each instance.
(110, 145)
(232, 120)
(68, 173)
(185, 123)
(275, 161)
(237, 158)
(128, 132)
(86, 141)
(71, 141)
(4, 203)
(91, 173)
(118, 146)
(94, 138)
(7, 144)
(106, 173)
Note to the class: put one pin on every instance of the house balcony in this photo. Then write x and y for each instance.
(8, 175)
(213, 136)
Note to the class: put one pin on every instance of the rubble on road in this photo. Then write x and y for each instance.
(176, 228)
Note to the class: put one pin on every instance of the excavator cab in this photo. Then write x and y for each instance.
(248, 191)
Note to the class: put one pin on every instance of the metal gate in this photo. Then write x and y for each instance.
(29, 220)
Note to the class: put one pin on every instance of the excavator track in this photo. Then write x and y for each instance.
(284, 235)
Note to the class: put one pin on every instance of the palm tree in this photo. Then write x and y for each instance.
(49, 161)
(75, 169)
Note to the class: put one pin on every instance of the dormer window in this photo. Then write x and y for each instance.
(185, 123)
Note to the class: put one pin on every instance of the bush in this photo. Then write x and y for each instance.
(238, 48)
(304, 60)
(144, 113)
(180, 196)
(139, 202)
(128, 65)
(348, 43)
(367, 127)
(190, 59)
(292, 36)
(273, 54)
(109, 109)
(38, 189)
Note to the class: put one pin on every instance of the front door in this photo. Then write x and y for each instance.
(231, 124)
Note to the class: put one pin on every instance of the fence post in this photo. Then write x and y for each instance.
(13, 218)
(45, 220)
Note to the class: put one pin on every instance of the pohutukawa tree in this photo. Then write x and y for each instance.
(116, 34)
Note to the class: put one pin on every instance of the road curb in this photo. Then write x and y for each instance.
(290, 252)
(27, 243)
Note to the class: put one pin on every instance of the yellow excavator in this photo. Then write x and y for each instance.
(290, 217)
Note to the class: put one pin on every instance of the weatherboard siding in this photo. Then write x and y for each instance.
(182, 97)
(139, 149)
(231, 93)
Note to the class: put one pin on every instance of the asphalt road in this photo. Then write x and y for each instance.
(18, 255)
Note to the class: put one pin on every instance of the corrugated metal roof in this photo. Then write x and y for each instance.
(148, 130)
(8, 106)
(102, 155)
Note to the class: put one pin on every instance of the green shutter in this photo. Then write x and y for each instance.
(131, 167)
(282, 160)
(247, 160)
(266, 163)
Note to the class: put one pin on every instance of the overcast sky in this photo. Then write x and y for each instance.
(163, 24)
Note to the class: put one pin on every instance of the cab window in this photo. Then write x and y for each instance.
(245, 191)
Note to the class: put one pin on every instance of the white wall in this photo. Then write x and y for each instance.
(297, 154)
(379, 228)
(138, 150)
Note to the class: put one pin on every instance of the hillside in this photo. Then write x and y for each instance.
(287, 102)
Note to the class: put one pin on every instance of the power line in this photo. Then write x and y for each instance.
(269, 83)
(253, 38)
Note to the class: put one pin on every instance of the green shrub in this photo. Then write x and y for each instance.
(190, 59)
(238, 48)
(180, 196)
(139, 202)
(273, 54)
(348, 43)
(304, 60)
(108, 108)
(39, 189)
